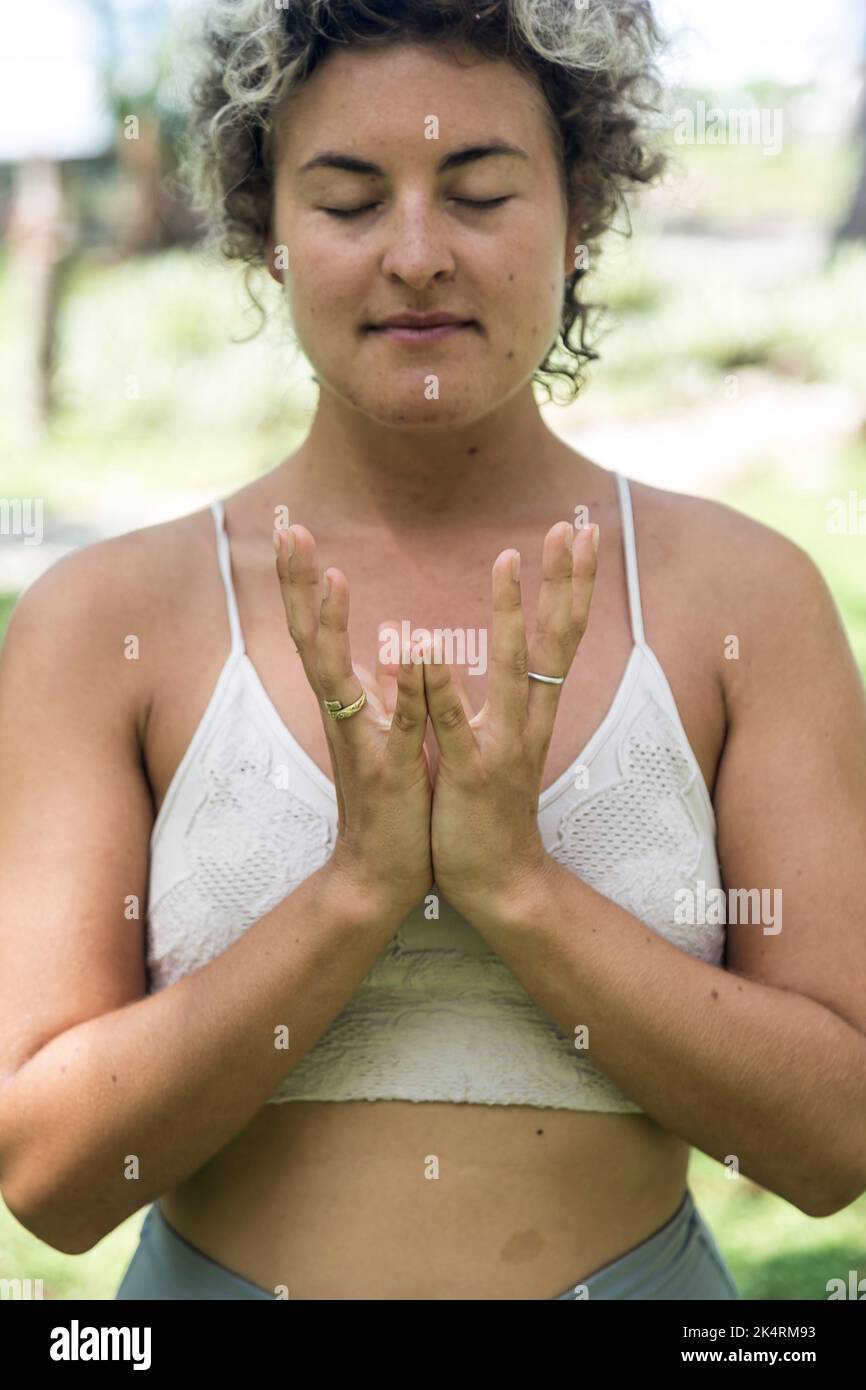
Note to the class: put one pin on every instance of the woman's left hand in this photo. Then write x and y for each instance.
(484, 831)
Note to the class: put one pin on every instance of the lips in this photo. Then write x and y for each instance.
(421, 322)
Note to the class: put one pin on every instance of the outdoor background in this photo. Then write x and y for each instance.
(735, 368)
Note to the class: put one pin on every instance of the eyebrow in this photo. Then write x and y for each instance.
(333, 159)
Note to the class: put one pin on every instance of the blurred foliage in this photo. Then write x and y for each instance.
(152, 393)
(738, 189)
(672, 337)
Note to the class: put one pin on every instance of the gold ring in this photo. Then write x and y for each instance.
(338, 711)
(548, 680)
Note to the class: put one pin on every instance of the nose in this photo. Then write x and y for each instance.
(418, 247)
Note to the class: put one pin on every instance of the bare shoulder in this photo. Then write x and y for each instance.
(749, 581)
(100, 612)
(722, 535)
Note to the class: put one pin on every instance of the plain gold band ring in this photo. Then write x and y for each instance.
(548, 680)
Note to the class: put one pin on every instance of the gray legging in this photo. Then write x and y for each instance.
(680, 1261)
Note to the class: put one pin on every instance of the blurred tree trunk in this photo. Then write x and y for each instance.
(854, 226)
(40, 234)
(142, 206)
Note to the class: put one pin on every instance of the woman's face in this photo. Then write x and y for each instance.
(417, 239)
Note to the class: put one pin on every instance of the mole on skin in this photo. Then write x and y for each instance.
(523, 1245)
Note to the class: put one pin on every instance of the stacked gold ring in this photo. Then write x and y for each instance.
(338, 711)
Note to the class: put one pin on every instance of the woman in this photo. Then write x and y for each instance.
(436, 1023)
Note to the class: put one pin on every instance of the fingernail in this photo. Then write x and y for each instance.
(326, 587)
(276, 542)
(568, 538)
(595, 535)
(515, 566)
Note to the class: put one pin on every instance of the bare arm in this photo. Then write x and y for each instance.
(766, 1060)
(94, 1073)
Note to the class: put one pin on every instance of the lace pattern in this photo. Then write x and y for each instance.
(637, 840)
(426, 1023)
(248, 844)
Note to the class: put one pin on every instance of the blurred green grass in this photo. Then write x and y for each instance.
(7, 603)
(96, 1274)
(774, 1251)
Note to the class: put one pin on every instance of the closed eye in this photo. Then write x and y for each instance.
(465, 202)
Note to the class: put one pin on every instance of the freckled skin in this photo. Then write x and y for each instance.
(418, 248)
(523, 1245)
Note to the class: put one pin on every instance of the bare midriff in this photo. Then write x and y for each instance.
(406, 1200)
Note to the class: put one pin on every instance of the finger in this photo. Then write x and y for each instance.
(471, 716)
(453, 735)
(547, 653)
(568, 568)
(507, 690)
(388, 662)
(409, 722)
(336, 676)
(298, 574)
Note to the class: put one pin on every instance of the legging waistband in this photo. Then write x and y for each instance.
(681, 1260)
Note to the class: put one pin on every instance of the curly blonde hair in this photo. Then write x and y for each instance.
(594, 61)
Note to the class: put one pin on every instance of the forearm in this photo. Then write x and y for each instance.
(731, 1065)
(117, 1110)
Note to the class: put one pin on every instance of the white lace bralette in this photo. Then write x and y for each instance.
(439, 1017)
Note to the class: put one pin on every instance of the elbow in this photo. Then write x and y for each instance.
(43, 1201)
(820, 1197)
(829, 1206)
(50, 1222)
(831, 1173)
(44, 1196)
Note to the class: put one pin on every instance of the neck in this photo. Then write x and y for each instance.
(357, 473)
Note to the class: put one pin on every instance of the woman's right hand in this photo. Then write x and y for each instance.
(380, 766)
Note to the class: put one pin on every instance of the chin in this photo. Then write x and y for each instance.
(400, 400)
(405, 412)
